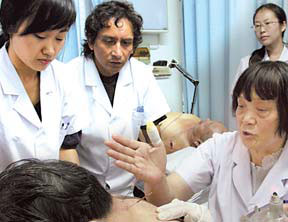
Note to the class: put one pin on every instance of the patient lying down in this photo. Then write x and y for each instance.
(181, 130)
(59, 191)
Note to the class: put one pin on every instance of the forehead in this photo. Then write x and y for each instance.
(122, 29)
(255, 98)
(265, 14)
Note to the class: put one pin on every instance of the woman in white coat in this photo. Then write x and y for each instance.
(242, 168)
(36, 108)
(269, 22)
(121, 92)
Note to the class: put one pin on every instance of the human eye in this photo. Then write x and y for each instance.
(127, 42)
(109, 41)
(268, 23)
(240, 107)
(60, 38)
(39, 36)
(262, 110)
(257, 26)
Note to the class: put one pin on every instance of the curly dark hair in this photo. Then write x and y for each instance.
(100, 16)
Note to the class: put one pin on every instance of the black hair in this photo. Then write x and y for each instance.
(100, 16)
(51, 191)
(259, 54)
(40, 15)
(270, 82)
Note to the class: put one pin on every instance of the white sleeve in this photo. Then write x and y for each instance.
(155, 104)
(197, 169)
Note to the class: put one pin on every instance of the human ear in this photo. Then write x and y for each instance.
(91, 45)
(283, 26)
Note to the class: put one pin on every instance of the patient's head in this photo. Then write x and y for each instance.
(59, 191)
(51, 191)
(182, 130)
(174, 130)
(204, 130)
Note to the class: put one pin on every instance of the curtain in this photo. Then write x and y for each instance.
(217, 34)
(76, 35)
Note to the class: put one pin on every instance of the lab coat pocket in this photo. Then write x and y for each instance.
(137, 121)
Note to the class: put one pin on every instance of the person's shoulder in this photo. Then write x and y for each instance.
(76, 61)
(59, 68)
(222, 141)
(244, 61)
(140, 66)
(227, 136)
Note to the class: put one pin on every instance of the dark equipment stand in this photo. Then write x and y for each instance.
(195, 82)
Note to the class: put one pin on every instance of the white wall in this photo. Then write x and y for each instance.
(168, 46)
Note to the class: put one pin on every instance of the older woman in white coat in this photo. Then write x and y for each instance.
(243, 168)
(38, 114)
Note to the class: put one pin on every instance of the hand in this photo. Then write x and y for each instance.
(192, 212)
(145, 162)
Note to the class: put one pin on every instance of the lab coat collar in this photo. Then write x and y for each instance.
(241, 171)
(93, 80)
(275, 181)
(12, 85)
(283, 57)
(91, 75)
(125, 76)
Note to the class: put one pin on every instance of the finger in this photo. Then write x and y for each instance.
(128, 167)
(133, 144)
(173, 213)
(174, 203)
(120, 156)
(120, 148)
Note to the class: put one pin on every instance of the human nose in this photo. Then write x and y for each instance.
(49, 49)
(117, 50)
(262, 28)
(249, 118)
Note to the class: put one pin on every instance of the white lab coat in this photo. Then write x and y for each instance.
(244, 63)
(136, 89)
(22, 134)
(224, 163)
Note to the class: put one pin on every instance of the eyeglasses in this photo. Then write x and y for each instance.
(267, 25)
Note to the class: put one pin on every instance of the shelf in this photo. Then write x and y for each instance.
(148, 31)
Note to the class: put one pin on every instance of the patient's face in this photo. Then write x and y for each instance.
(175, 129)
(204, 130)
(130, 210)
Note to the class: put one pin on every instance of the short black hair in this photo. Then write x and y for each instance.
(100, 16)
(270, 82)
(40, 15)
(51, 191)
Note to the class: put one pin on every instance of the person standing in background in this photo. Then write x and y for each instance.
(269, 23)
(121, 92)
(38, 116)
